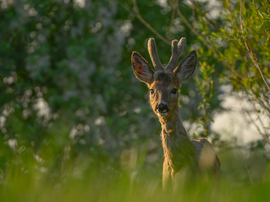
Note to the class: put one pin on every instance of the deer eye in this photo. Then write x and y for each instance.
(174, 91)
(152, 91)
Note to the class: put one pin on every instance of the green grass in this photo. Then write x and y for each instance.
(83, 179)
(110, 185)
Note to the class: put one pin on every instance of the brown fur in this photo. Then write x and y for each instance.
(180, 152)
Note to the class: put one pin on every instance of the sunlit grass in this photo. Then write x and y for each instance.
(89, 183)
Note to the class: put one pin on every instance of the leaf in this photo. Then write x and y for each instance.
(195, 133)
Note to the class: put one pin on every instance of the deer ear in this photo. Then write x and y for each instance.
(187, 67)
(141, 68)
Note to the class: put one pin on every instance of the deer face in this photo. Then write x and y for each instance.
(164, 83)
(163, 93)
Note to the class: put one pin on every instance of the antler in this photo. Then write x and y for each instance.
(153, 54)
(177, 49)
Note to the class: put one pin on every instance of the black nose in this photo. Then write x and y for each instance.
(162, 107)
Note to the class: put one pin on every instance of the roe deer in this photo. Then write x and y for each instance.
(180, 151)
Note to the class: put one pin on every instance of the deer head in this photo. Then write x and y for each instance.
(164, 82)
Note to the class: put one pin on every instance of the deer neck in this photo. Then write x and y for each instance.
(172, 125)
(178, 149)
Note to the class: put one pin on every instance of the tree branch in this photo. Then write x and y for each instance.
(204, 15)
(148, 25)
(254, 60)
(195, 32)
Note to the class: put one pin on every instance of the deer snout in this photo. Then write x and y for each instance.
(162, 109)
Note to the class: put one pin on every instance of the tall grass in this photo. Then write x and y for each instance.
(84, 181)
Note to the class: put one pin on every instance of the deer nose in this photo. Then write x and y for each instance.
(162, 107)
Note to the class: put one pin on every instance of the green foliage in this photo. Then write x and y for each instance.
(71, 110)
(241, 43)
(82, 181)
(67, 82)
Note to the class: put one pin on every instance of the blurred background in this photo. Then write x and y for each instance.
(70, 104)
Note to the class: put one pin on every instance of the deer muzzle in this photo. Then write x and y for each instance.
(162, 109)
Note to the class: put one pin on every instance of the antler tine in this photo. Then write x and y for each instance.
(177, 49)
(153, 54)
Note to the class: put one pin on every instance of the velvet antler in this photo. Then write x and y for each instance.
(177, 49)
(153, 54)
